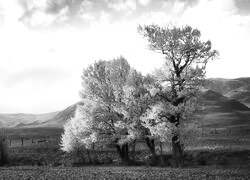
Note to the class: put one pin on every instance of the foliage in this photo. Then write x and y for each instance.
(78, 130)
(177, 83)
(99, 119)
(134, 103)
(114, 96)
(102, 86)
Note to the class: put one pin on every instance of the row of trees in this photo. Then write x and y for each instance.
(121, 105)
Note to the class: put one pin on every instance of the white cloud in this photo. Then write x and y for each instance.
(127, 5)
(178, 7)
(144, 2)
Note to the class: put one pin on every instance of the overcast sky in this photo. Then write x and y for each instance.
(45, 44)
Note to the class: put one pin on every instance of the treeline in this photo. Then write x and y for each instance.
(120, 105)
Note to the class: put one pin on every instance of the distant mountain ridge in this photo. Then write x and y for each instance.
(20, 119)
(54, 119)
(226, 103)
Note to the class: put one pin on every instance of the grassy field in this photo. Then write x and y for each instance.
(116, 173)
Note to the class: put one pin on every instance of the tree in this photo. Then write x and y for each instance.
(114, 97)
(78, 133)
(103, 84)
(177, 82)
(134, 104)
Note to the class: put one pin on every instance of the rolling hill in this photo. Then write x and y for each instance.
(21, 119)
(223, 112)
(238, 89)
(62, 116)
(54, 119)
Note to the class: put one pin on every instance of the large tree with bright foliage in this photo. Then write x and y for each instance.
(114, 97)
(102, 85)
(177, 83)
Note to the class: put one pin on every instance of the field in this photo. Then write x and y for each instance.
(216, 156)
(116, 173)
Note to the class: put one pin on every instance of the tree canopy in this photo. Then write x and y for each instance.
(178, 82)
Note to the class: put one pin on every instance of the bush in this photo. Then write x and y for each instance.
(3, 148)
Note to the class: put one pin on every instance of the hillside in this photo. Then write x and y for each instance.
(19, 120)
(62, 116)
(238, 89)
(223, 113)
(54, 119)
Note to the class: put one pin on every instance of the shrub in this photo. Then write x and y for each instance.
(3, 148)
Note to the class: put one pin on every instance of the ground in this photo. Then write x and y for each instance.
(116, 173)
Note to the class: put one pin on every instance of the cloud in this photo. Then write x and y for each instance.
(122, 5)
(144, 2)
(243, 6)
(50, 14)
(55, 6)
(37, 13)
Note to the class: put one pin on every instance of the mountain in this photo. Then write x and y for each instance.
(21, 119)
(222, 112)
(62, 116)
(216, 102)
(238, 89)
(54, 119)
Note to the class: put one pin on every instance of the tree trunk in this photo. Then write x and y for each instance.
(81, 155)
(151, 145)
(89, 157)
(161, 154)
(123, 152)
(133, 151)
(94, 154)
(177, 152)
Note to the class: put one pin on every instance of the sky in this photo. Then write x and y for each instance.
(45, 44)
